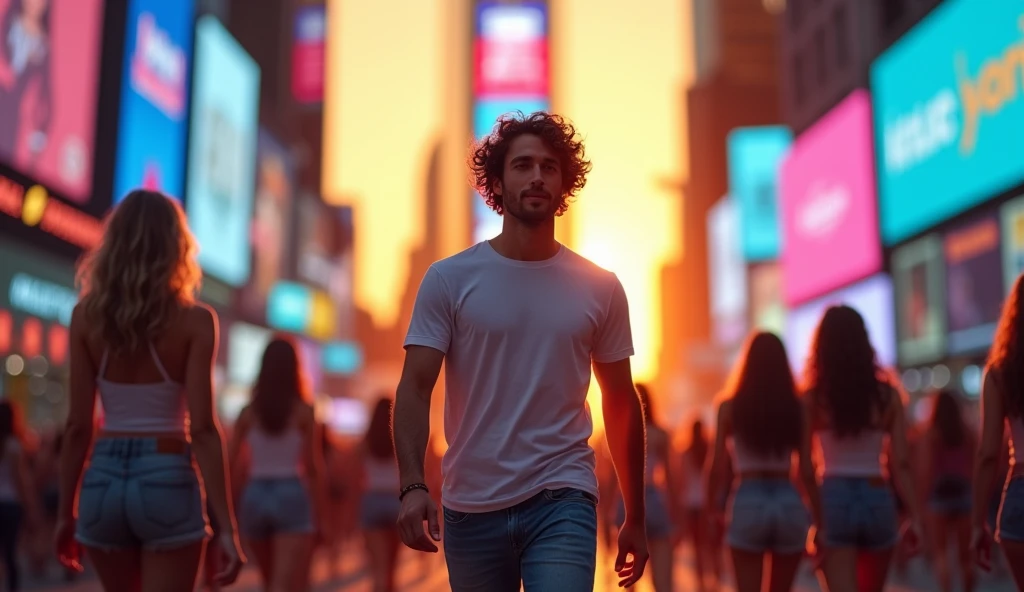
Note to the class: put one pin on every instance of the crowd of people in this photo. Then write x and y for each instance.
(824, 470)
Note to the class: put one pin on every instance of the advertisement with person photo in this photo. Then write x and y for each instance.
(974, 284)
(49, 83)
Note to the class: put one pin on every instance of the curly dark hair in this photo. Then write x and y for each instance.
(842, 375)
(765, 409)
(487, 162)
(1006, 357)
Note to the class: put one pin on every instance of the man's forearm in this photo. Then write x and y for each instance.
(411, 432)
(627, 441)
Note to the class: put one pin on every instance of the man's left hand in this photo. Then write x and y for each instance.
(633, 555)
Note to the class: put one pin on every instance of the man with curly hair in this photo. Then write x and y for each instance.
(521, 320)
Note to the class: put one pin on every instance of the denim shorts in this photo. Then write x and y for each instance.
(951, 496)
(1011, 512)
(658, 522)
(859, 512)
(379, 510)
(767, 516)
(275, 506)
(141, 492)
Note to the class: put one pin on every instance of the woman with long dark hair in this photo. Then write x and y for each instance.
(380, 505)
(283, 502)
(661, 517)
(141, 341)
(857, 416)
(1002, 407)
(18, 505)
(760, 423)
(948, 449)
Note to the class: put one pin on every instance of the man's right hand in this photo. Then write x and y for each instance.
(417, 508)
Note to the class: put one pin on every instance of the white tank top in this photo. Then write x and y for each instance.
(381, 475)
(852, 456)
(8, 489)
(277, 456)
(746, 460)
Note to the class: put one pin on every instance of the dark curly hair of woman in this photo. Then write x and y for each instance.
(766, 413)
(1006, 358)
(842, 374)
(487, 163)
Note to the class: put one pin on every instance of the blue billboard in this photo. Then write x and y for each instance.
(222, 152)
(755, 154)
(154, 97)
(949, 115)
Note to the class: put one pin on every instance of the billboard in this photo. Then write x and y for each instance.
(919, 277)
(872, 298)
(324, 257)
(728, 274)
(309, 46)
(222, 152)
(154, 98)
(767, 309)
(974, 284)
(948, 114)
(510, 73)
(754, 157)
(829, 225)
(49, 87)
(271, 230)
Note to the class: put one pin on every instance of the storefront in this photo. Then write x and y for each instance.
(37, 296)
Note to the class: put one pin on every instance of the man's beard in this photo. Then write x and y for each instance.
(531, 218)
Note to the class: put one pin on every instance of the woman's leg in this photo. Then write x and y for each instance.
(838, 571)
(379, 543)
(940, 551)
(118, 571)
(1014, 552)
(172, 570)
(661, 563)
(695, 523)
(873, 569)
(748, 570)
(782, 571)
(962, 528)
(262, 551)
(293, 555)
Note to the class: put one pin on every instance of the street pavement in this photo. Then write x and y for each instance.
(427, 574)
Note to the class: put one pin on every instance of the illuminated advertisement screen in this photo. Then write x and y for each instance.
(829, 225)
(271, 224)
(872, 298)
(728, 274)
(154, 98)
(510, 73)
(948, 115)
(919, 277)
(324, 257)
(767, 309)
(1012, 214)
(49, 86)
(974, 284)
(222, 152)
(309, 44)
(754, 157)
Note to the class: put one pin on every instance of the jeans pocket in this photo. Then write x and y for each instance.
(170, 498)
(569, 494)
(92, 496)
(454, 516)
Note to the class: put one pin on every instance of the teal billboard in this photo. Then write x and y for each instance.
(949, 114)
(754, 157)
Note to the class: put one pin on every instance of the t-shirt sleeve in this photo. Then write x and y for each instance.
(614, 337)
(432, 319)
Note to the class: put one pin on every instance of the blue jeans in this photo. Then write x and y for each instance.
(141, 492)
(547, 543)
(379, 509)
(1011, 512)
(859, 512)
(658, 522)
(275, 506)
(767, 516)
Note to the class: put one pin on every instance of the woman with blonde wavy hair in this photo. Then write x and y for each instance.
(140, 339)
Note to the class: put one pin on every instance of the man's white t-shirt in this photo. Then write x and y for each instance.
(518, 338)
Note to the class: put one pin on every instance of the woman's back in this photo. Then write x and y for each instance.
(276, 455)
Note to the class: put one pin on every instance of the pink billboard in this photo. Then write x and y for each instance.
(49, 73)
(828, 204)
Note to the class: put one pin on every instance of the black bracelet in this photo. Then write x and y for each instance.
(412, 487)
